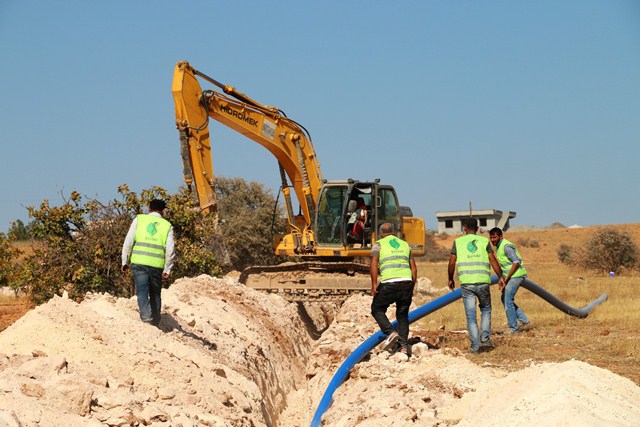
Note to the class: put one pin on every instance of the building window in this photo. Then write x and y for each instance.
(448, 223)
(483, 222)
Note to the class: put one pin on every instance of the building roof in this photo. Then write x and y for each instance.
(475, 212)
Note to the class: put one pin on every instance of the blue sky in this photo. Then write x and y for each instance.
(532, 107)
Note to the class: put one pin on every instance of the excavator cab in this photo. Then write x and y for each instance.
(337, 203)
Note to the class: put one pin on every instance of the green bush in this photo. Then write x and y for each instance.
(8, 256)
(608, 250)
(79, 248)
(526, 242)
(80, 242)
(565, 254)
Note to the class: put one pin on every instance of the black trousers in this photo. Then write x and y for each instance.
(400, 293)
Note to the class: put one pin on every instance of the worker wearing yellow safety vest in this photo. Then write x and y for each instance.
(393, 264)
(473, 256)
(149, 247)
(514, 275)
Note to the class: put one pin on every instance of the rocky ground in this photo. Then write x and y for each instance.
(226, 355)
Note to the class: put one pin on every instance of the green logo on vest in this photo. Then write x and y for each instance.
(394, 243)
(152, 228)
(472, 247)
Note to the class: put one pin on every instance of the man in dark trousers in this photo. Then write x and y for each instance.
(149, 248)
(392, 262)
(474, 257)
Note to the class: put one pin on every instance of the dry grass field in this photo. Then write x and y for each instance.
(607, 338)
(11, 309)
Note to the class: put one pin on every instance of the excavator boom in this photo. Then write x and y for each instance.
(321, 233)
(289, 142)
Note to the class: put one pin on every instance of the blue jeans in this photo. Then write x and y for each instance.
(148, 282)
(514, 313)
(469, 295)
(400, 293)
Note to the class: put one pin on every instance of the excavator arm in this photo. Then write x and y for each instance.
(288, 141)
(320, 234)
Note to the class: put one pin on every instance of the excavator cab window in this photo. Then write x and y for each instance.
(387, 208)
(330, 216)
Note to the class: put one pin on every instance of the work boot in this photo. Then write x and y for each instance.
(405, 349)
(486, 345)
(391, 341)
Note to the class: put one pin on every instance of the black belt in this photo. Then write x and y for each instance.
(398, 282)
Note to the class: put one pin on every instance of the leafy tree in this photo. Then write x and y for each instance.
(248, 221)
(81, 241)
(8, 255)
(59, 221)
(199, 245)
(19, 231)
(79, 249)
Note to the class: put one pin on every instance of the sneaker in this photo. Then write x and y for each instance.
(391, 341)
(472, 351)
(509, 331)
(486, 345)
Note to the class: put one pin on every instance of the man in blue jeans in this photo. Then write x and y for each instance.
(514, 274)
(150, 249)
(392, 262)
(473, 256)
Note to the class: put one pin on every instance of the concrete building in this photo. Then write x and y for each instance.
(450, 222)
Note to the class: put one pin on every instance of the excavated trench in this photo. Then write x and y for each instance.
(224, 354)
(274, 338)
(228, 355)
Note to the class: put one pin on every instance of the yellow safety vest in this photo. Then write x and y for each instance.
(505, 263)
(472, 259)
(394, 259)
(150, 241)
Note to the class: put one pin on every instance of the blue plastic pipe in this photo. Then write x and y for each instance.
(374, 340)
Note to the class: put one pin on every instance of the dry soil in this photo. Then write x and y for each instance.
(226, 355)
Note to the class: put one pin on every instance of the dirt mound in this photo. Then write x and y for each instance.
(226, 355)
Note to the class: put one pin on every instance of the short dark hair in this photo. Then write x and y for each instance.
(157, 205)
(496, 231)
(471, 223)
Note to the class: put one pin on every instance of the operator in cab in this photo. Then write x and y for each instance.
(356, 223)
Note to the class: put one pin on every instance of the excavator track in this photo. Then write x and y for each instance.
(309, 281)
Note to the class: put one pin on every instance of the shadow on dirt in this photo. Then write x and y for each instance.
(169, 324)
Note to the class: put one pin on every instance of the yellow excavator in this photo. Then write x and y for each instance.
(321, 233)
